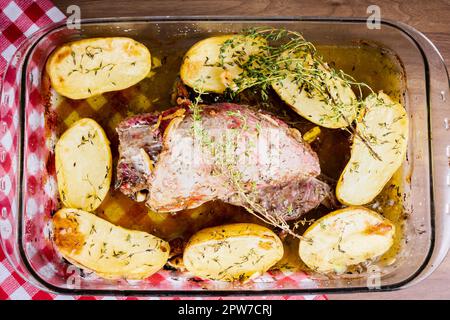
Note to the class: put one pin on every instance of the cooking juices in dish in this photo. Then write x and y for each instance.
(156, 190)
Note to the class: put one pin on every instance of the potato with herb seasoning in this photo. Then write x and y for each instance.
(375, 159)
(315, 91)
(83, 165)
(112, 252)
(210, 64)
(345, 238)
(234, 252)
(89, 67)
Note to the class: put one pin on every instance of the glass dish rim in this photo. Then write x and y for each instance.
(108, 292)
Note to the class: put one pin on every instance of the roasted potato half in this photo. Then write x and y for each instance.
(345, 238)
(112, 252)
(334, 107)
(232, 252)
(88, 67)
(83, 165)
(384, 127)
(209, 65)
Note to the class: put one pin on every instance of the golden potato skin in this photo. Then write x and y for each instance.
(311, 106)
(234, 252)
(201, 69)
(344, 238)
(83, 165)
(85, 68)
(112, 252)
(385, 126)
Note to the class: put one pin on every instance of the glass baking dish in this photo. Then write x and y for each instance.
(28, 189)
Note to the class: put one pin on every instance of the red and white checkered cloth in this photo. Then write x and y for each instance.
(18, 20)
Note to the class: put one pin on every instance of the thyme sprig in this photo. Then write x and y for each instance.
(288, 55)
(291, 55)
(227, 167)
(89, 52)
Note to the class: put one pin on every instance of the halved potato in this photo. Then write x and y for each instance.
(112, 252)
(209, 65)
(83, 165)
(312, 134)
(345, 238)
(337, 112)
(384, 127)
(85, 68)
(232, 252)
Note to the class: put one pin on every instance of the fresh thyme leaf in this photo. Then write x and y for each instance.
(288, 54)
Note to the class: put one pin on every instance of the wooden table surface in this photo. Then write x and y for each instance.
(432, 17)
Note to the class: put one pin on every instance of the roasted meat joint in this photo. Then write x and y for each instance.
(257, 156)
(169, 162)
